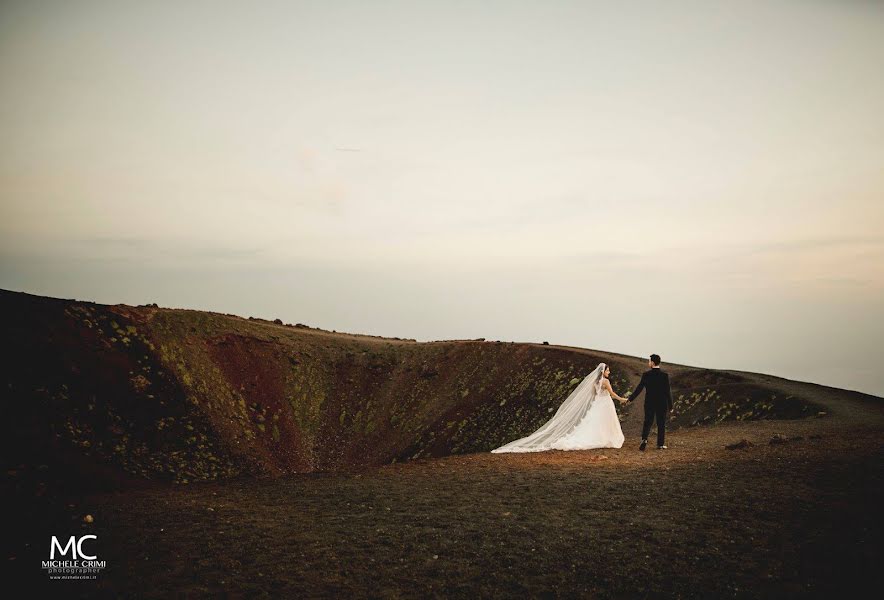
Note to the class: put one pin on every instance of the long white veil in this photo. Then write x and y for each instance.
(570, 413)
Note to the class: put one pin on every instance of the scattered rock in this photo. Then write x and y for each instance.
(545, 343)
(428, 372)
(782, 439)
(277, 321)
(739, 445)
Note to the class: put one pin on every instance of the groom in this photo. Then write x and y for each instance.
(658, 401)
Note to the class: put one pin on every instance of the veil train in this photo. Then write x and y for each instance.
(566, 419)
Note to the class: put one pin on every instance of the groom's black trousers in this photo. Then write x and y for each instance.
(655, 411)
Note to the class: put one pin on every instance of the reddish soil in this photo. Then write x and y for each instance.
(794, 512)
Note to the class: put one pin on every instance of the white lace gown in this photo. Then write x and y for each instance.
(599, 428)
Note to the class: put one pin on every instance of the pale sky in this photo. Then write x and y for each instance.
(701, 179)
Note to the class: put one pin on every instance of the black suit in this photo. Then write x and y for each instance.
(658, 401)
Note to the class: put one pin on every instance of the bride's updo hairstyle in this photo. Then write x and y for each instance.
(598, 383)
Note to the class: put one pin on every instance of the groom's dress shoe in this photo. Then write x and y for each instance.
(661, 447)
(643, 445)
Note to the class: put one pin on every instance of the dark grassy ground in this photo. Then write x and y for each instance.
(773, 520)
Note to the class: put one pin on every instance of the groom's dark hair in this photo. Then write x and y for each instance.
(655, 358)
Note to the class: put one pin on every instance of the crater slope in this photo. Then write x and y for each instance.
(98, 395)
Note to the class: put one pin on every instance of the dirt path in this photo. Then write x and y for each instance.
(793, 519)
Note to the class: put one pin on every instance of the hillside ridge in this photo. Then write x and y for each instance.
(107, 394)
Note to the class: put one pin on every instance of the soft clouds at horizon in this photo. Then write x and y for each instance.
(703, 180)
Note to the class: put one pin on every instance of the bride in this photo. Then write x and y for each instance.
(586, 419)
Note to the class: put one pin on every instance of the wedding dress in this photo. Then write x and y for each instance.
(585, 420)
